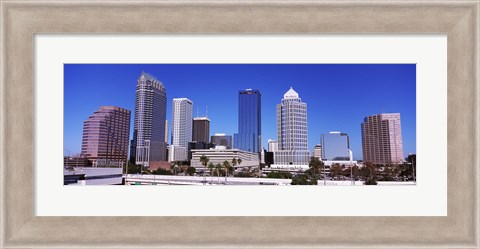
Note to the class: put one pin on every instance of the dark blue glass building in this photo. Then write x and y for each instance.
(249, 136)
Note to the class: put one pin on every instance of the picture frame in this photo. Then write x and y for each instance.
(21, 20)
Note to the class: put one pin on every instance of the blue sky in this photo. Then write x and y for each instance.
(338, 96)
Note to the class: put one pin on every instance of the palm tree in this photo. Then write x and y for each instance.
(234, 163)
(211, 166)
(218, 167)
(175, 168)
(204, 161)
(226, 165)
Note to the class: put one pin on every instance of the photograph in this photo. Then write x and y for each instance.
(240, 124)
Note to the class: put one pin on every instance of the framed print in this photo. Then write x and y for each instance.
(36, 32)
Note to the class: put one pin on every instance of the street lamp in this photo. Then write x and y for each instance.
(350, 154)
(413, 168)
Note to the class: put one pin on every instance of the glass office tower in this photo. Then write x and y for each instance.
(150, 116)
(249, 136)
(335, 146)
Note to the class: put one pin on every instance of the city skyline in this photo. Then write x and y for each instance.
(340, 103)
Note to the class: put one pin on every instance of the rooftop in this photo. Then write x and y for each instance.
(291, 94)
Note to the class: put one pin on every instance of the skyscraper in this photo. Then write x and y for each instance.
(181, 124)
(382, 139)
(201, 129)
(105, 136)
(249, 136)
(150, 116)
(292, 131)
(335, 146)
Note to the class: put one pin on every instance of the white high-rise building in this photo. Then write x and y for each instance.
(272, 145)
(292, 132)
(182, 119)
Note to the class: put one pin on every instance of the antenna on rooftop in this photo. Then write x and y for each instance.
(206, 111)
(197, 112)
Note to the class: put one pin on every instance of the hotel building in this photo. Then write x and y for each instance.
(105, 137)
(382, 139)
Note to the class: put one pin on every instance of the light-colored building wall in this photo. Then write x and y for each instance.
(249, 159)
(272, 145)
(96, 176)
(177, 153)
(317, 152)
(182, 111)
(292, 131)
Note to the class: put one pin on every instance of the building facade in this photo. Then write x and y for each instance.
(335, 146)
(221, 154)
(201, 129)
(182, 124)
(382, 139)
(317, 151)
(149, 122)
(105, 137)
(176, 153)
(249, 136)
(292, 131)
(198, 146)
(272, 145)
(222, 140)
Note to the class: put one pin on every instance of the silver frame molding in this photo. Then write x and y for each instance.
(22, 19)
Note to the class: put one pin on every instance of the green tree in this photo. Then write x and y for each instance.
(303, 180)
(175, 168)
(371, 172)
(226, 166)
(335, 170)
(204, 161)
(218, 167)
(234, 163)
(132, 168)
(279, 175)
(191, 171)
(315, 164)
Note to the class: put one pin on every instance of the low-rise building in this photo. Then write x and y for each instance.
(221, 154)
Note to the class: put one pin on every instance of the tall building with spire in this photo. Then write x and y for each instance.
(292, 131)
(149, 122)
(382, 139)
(249, 136)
